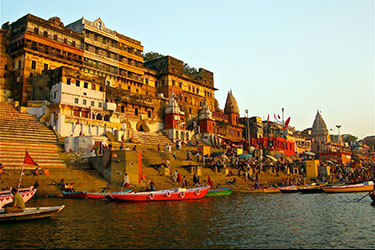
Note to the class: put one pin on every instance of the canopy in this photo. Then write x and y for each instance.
(245, 156)
(309, 153)
(216, 154)
(271, 157)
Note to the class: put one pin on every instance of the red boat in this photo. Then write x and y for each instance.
(7, 197)
(91, 195)
(77, 195)
(163, 195)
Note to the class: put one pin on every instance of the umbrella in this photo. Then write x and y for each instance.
(245, 156)
(271, 157)
(216, 154)
(309, 153)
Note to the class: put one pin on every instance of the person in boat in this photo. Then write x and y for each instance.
(71, 188)
(152, 186)
(17, 205)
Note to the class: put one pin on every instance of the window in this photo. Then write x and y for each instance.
(84, 102)
(76, 100)
(136, 111)
(149, 114)
(68, 81)
(101, 88)
(45, 66)
(33, 64)
(100, 104)
(180, 85)
(93, 87)
(73, 43)
(122, 109)
(55, 37)
(45, 33)
(65, 41)
(85, 85)
(36, 30)
(92, 103)
(31, 75)
(77, 83)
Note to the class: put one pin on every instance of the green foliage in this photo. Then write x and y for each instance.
(350, 139)
(151, 56)
(190, 70)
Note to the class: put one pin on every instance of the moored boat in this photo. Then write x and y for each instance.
(220, 191)
(30, 213)
(101, 195)
(289, 189)
(362, 187)
(311, 189)
(163, 195)
(76, 195)
(272, 190)
(372, 196)
(252, 190)
(7, 197)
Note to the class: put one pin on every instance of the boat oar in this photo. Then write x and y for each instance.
(364, 196)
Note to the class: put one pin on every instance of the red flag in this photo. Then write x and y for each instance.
(275, 117)
(28, 160)
(268, 118)
(286, 123)
(278, 116)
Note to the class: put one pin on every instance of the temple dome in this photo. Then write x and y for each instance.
(319, 130)
(231, 105)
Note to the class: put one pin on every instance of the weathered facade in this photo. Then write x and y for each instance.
(37, 45)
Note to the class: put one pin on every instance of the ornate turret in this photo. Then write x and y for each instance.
(205, 113)
(172, 107)
(231, 109)
(319, 130)
(231, 105)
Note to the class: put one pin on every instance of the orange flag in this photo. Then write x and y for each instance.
(286, 123)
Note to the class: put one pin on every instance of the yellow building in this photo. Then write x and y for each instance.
(37, 45)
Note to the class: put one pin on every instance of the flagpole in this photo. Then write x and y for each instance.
(23, 166)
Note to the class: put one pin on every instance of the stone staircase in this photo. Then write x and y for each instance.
(20, 132)
(150, 138)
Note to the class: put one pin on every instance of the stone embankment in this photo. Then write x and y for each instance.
(20, 132)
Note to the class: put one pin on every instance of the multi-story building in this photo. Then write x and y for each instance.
(37, 45)
(191, 90)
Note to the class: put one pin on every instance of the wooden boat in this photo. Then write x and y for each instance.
(312, 188)
(289, 189)
(93, 195)
(7, 197)
(163, 195)
(252, 190)
(268, 190)
(76, 195)
(271, 190)
(372, 196)
(30, 213)
(220, 191)
(362, 187)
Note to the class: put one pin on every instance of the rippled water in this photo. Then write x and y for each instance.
(238, 221)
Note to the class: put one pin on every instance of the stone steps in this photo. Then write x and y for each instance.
(151, 138)
(20, 132)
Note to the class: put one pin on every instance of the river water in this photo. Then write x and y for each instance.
(237, 221)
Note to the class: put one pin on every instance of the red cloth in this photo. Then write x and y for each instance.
(179, 178)
(28, 160)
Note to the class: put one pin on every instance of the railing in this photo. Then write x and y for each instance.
(59, 39)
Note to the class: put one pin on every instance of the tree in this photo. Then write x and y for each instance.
(151, 56)
(190, 70)
(350, 139)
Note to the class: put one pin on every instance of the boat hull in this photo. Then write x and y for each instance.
(290, 189)
(30, 213)
(349, 188)
(310, 189)
(163, 195)
(269, 190)
(92, 195)
(372, 196)
(220, 191)
(7, 197)
(75, 195)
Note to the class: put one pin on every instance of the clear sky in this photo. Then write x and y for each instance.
(300, 55)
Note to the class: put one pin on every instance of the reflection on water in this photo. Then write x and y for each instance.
(237, 221)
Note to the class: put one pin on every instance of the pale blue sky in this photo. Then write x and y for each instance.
(301, 55)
